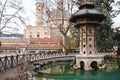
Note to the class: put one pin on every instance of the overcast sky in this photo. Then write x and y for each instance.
(30, 11)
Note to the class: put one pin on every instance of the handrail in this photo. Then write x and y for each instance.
(13, 61)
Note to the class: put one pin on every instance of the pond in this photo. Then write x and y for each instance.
(62, 71)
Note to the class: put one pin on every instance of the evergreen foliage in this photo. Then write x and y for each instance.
(106, 38)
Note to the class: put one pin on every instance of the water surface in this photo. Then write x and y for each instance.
(63, 71)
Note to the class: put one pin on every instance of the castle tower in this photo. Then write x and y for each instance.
(87, 18)
(39, 14)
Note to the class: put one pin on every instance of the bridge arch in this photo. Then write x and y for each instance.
(82, 64)
(94, 65)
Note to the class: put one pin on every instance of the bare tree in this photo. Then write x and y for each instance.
(11, 15)
(64, 9)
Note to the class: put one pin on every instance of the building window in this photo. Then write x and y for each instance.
(83, 45)
(90, 39)
(84, 31)
(90, 46)
(83, 39)
(38, 34)
(90, 31)
(90, 52)
(19, 51)
(84, 52)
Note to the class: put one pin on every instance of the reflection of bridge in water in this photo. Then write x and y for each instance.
(55, 73)
(82, 75)
(76, 74)
(9, 64)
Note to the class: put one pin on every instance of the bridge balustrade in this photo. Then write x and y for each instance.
(13, 61)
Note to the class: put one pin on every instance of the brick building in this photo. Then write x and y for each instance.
(33, 45)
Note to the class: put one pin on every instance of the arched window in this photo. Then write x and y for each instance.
(90, 31)
(38, 34)
(90, 46)
(90, 39)
(83, 45)
(84, 39)
(84, 52)
(90, 52)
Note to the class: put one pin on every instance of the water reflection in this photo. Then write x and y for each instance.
(62, 71)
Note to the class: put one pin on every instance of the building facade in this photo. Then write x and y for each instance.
(27, 45)
(39, 30)
(50, 30)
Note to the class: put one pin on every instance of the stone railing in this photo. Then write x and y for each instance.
(13, 61)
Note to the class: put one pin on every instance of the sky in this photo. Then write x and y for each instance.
(29, 6)
(116, 20)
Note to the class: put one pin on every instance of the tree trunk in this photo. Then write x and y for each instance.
(64, 43)
(118, 51)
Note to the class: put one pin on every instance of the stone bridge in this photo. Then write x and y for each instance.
(10, 66)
